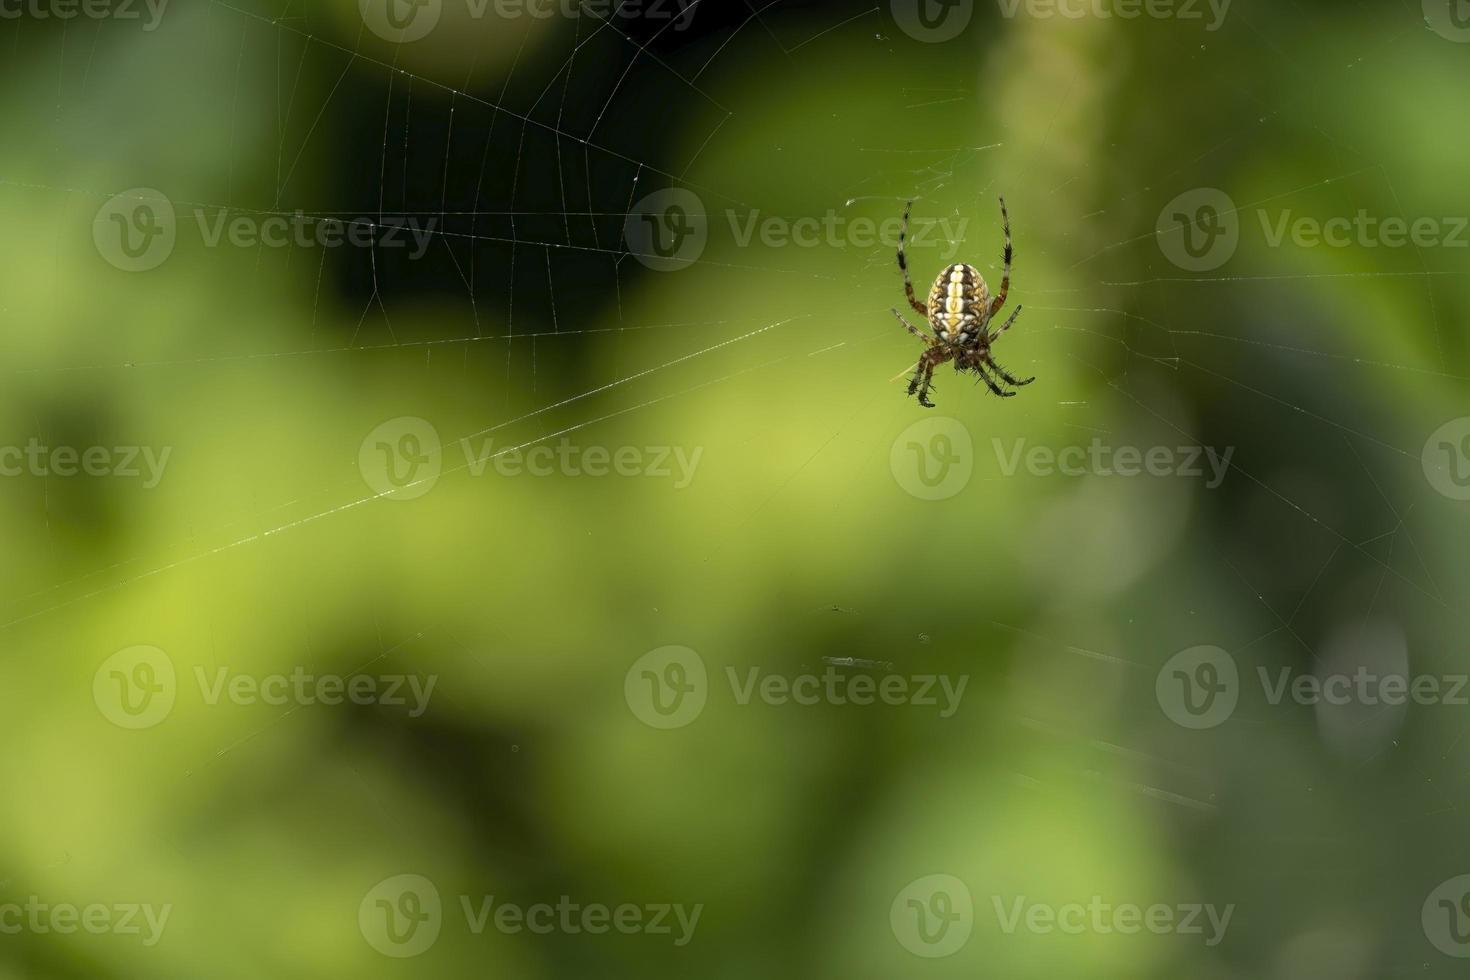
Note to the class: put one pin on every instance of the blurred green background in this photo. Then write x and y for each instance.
(530, 151)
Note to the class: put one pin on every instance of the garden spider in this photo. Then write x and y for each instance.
(959, 312)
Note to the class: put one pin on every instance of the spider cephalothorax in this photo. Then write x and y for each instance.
(959, 312)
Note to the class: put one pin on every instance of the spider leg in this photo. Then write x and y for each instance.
(928, 340)
(1005, 279)
(990, 382)
(903, 262)
(1004, 374)
(1007, 325)
(923, 380)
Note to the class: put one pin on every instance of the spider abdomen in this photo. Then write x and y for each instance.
(957, 304)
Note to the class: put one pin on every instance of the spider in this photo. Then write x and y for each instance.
(959, 312)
